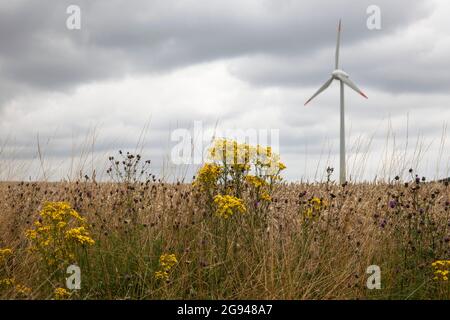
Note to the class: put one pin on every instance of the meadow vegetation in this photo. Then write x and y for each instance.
(237, 232)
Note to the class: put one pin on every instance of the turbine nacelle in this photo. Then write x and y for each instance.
(338, 73)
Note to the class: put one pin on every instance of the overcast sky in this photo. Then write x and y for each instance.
(84, 94)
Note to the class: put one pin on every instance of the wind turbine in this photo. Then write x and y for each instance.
(343, 78)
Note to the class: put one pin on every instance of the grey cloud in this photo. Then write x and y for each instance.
(119, 37)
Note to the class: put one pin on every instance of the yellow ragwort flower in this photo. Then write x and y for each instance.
(314, 207)
(228, 205)
(167, 261)
(4, 253)
(441, 269)
(266, 197)
(57, 233)
(208, 175)
(162, 275)
(61, 294)
(22, 290)
(7, 282)
(255, 181)
(79, 235)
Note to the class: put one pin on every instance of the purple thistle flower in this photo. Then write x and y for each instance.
(392, 204)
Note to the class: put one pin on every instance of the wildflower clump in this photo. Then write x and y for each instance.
(19, 289)
(314, 208)
(241, 158)
(61, 294)
(59, 233)
(441, 270)
(166, 263)
(255, 181)
(22, 291)
(260, 189)
(207, 176)
(228, 205)
(230, 153)
(237, 171)
(7, 282)
(79, 235)
(266, 197)
(4, 254)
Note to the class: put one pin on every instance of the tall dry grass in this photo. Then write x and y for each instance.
(401, 227)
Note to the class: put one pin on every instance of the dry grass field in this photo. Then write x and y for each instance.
(235, 233)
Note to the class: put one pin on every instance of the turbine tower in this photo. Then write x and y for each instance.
(343, 78)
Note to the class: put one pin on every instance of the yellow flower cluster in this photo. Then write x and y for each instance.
(266, 197)
(22, 290)
(166, 262)
(242, 154)
(281, 166)
(255, 181)
(58, 233)
(59, 211)
(228, 205)
(261, 187)
(7, 282)
(441, 270)
(234, 169)
(207, 176)
(79, 235)
(317, 203)
(269, 161)
(229, 152)
(4, 253)
(315, 207)
(19, 289)
(161, 275)
(61, 294)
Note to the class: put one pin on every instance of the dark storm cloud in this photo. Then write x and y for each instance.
(122, 37)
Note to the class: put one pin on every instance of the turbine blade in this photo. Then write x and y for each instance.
(322, 88)
(338, 44)
(350, 83)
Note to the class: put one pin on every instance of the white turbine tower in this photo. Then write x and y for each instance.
(343, 78)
